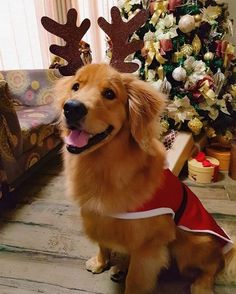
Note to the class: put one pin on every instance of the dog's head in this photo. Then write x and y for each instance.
(98, 102)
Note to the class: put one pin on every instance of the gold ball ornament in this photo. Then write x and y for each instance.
(197, 17)
(208, 56)
(186, 23)
(195, 125)
(198, 20)
(186, 49)
(179, 74)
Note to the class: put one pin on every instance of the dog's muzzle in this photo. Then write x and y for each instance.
(74, 111)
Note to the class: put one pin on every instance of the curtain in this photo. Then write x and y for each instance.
(24, 43)
(93, 9)
(57, 10)
(19, 37)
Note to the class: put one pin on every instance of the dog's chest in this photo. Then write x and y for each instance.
(127, 235)
(116, 234)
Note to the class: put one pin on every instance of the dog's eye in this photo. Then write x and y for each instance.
(109, 94)
(75, 87)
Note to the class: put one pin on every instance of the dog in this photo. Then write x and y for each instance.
(114, 163)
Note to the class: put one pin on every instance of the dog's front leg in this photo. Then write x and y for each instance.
(145, 265)
(99, 263)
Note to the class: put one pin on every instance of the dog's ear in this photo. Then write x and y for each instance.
(145, 105)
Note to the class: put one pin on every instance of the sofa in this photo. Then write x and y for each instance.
(28, 123)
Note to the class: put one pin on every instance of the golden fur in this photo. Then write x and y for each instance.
(120, 173)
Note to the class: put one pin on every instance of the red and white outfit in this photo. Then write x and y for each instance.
(193, 217)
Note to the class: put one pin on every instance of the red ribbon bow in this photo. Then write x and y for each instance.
(201, 157)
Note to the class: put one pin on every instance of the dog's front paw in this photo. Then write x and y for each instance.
(93, 265)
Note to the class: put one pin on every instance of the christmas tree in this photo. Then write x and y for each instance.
(187, 56)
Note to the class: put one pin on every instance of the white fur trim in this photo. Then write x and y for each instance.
(144, 214)
(226, 248)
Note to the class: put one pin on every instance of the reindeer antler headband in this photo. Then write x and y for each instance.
(118, 31)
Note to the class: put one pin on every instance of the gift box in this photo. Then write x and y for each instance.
(180, 151)
(222, 154)
(184, 147)
(203, 171)
(169, 139)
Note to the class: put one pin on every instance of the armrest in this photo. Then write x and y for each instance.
(31, 87)
(10, 131)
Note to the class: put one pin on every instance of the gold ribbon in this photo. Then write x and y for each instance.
(207, 93)
(159, 8)
(153, 51)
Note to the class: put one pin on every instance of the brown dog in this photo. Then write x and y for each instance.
(115, 162)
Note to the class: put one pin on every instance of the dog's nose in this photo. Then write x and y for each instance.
(74, 110)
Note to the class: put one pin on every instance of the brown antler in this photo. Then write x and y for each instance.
(119, 33)
(72, 35)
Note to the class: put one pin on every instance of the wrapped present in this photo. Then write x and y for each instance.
(169, 139)
(180, 151)
(222, 154)
(182, 148)
(203, 169)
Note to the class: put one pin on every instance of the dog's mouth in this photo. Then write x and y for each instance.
(79, 140)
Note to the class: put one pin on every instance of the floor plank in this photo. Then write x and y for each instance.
(50, 273)
(43, 248)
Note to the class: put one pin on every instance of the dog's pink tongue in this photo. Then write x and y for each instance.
(77, 138)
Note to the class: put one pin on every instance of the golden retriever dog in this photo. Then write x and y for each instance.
(113, 163)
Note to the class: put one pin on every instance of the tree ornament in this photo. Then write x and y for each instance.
(165, 87)
(197, 17)
(198, 20)
(197, 45)
(211, 13)
(179, 74)
(164, 126)
(208, 56)
(158, 7)
(177, 56)
(187, 23)
(160, 72)
(195, 125)
(219, 79)
(186, 49)
(210, 132)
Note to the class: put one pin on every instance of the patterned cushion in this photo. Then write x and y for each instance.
(36, 123)
(10, 132)
(31, 87)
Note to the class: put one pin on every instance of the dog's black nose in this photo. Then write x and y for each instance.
(74, 110)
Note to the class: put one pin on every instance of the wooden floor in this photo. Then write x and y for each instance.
(43, 248)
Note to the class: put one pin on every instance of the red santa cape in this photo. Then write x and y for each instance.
(175, 198)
